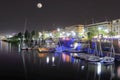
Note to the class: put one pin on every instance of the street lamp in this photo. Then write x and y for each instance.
(73, 33)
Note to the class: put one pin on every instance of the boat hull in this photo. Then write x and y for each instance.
(46, 50)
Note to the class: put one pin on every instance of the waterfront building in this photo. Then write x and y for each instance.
(116, 27)
(75, 30)
(101, 27)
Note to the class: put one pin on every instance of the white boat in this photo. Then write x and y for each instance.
(80, 56)
(25, 47)
(111, 58)
(75, 55)
(84, 56)
(108, 59)
(93, 58)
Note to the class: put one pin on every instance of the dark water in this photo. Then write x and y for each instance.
(31, 65)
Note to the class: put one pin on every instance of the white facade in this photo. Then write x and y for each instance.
(116, 26)
(102, 25)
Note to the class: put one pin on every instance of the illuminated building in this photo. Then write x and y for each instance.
(75, 30)
(104, 26)
(116, 26)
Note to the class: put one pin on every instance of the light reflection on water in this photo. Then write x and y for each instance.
(61, 65)
(90, 71)
(5, 46)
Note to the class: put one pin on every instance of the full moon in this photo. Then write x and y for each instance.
(39, 5)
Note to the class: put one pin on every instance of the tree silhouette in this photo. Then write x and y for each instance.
(27, 35)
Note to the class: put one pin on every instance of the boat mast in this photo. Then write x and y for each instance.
(25, 25)
(23, 37)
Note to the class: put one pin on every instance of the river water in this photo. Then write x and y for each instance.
(32, 65)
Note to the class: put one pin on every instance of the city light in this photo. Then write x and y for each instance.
(9, 36)
(68, 34)
(107, 31)
(60, 39)
(50, 35)
(58, 29)
(63, 32)
(99, 28)
(40, 34)
(73, 33)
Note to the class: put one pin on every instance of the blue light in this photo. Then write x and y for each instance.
(65, 44)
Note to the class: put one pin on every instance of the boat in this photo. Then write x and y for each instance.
(26, 48)
(75, 55)
(46, 50)
(23, 45)
(87, 57)
(42, 55)
(93, 58)
(71, 45)
(111, 57)
(107, 59)
(82, 56)
(73, 51)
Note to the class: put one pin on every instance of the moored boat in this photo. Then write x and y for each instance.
(75, 55)
(107, 59)
(93, 58)
(47, 50)
(26, 48)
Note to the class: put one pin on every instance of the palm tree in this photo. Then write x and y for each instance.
(93, 31)
(111, 33)
(27, 35)
(32, 33)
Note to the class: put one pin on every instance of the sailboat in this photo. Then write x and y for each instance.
(24, 46)
(94, 57)
(47, 47)
(111, 58)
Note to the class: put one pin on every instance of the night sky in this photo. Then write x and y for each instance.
(54, 13)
